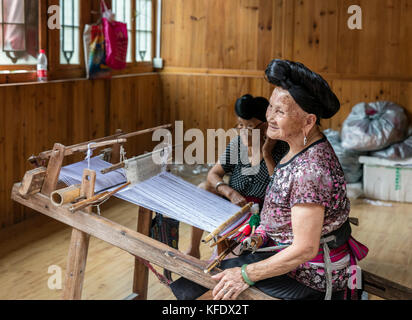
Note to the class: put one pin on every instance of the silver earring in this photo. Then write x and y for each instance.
(305, 141)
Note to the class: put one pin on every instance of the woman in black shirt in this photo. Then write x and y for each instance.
(249, 171)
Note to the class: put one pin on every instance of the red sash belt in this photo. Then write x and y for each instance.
(357, 251)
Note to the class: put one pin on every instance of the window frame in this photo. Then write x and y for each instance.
(138, 66)
(58, 71)
(50, 41)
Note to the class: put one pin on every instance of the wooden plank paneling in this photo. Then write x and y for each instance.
(216, 108)
(264, 32)
(135, 104)
(247, 34)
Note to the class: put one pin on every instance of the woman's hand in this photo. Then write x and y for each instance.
(267, 149)
(268, 145)
(230, 285)
(236, 198)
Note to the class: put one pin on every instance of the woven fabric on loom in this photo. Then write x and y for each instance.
(164, 193)
(72, 174)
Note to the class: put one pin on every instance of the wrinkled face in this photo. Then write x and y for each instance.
(249, 125)
(286, 120)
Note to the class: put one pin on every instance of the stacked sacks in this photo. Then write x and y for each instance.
(349, 159)
(377, 129)
(397, 151)
(374, 126)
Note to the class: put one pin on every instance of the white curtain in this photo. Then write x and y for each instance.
(14, 35)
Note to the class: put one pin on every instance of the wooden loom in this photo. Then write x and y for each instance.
(38, 184)
(35, 190)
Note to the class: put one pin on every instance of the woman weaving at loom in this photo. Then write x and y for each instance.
(303, 246)
(243, 186)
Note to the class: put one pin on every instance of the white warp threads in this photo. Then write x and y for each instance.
(89, 153)
(164, 193)
(180, 200)
(122, 154)
(72, 174)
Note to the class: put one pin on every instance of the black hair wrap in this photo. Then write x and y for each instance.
(248, 107)
(310, 91)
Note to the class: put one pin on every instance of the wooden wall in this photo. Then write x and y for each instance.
(35, 116)
(216, 51)
(136, 103)
(207, 101)
(247, 34)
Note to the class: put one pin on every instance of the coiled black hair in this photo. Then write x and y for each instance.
(310, 91)
(248, 107)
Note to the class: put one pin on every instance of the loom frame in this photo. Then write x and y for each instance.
(85, 223)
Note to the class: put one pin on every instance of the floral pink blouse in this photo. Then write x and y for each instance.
(312, 176)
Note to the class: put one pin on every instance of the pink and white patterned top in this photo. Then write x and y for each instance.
(312, 176)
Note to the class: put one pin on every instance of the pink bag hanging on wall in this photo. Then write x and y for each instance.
(115, 34)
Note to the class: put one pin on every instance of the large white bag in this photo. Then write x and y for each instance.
(374, 126)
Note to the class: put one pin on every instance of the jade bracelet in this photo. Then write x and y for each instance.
(245, 277)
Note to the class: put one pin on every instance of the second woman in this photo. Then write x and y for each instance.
(249, 168)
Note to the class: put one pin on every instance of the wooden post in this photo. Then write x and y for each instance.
(79, 246)
(53, 169)
(115, 158)
(141, 273)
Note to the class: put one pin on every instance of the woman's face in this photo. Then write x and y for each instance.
(285, 118)
(246, 135)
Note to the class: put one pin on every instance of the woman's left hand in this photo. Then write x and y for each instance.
(268, 144)
(230, 285)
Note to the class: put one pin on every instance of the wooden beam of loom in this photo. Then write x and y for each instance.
(81, 146)
(131, 241)
(122, 164)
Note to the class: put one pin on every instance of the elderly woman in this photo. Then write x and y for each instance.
(305, 214)
(249, 169)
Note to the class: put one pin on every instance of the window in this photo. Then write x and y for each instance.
(143, 30)
(24, 30)
(65, 45)
(19, 33)
(139, 25)
(69, 32)
(122, 9)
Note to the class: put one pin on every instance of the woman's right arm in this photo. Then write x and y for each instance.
(267, 155)
(267, 150)
(216, 175)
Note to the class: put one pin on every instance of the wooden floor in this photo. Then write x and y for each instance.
(28, 250)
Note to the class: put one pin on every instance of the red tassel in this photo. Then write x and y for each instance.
(247, 230)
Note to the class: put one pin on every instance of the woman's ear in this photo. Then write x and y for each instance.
(309, 123)
(311, 120)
